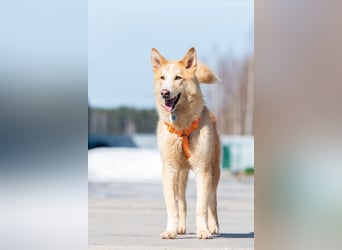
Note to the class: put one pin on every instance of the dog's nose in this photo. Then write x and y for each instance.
(165, 93)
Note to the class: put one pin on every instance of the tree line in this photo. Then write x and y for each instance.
(122, 120)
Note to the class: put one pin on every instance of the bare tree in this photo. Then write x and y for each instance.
(232, 100)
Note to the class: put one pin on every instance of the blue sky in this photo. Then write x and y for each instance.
(121, 34)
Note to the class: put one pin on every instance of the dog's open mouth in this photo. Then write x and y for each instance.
(170, 103)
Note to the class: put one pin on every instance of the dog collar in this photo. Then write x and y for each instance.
(184, 134)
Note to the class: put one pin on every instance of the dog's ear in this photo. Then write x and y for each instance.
(205, 75)
(190, 60)
(157, 59)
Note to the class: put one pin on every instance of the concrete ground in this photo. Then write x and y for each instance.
(132, 216)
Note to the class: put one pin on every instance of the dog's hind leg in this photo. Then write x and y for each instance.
(213, 224)
(182, 181)
(203, 185)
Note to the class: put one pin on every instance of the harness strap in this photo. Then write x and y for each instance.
(184, 134)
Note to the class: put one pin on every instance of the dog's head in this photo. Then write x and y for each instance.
(176, 82)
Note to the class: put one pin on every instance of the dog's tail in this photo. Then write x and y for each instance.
(205, 75)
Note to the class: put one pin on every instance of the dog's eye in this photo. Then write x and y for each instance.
(162, 78)
(178, 78)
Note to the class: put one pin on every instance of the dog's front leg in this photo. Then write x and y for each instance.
(182, 181)
(170, 188)
(203, 185)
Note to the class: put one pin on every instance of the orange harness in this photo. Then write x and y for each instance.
(184, 134)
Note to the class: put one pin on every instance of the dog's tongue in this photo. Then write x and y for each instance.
(169, 104)
(167, 108)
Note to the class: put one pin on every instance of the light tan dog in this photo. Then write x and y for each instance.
(188, 139)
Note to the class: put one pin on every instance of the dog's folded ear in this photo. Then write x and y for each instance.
(157, 59)
(190, 60)
(205, 75)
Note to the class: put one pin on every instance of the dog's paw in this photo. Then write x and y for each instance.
(203, 234)
(214, 229)
(168, 235)
(181, 229)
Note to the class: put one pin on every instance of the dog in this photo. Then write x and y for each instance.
(187, 139)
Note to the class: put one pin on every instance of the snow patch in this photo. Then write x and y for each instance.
(124, 164)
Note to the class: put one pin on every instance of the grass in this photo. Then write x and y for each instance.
(249, 171)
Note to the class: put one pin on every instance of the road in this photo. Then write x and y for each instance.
(132, 216)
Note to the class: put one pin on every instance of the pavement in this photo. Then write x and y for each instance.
(132, 215)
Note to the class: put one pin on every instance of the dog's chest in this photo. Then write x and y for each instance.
(173, 145)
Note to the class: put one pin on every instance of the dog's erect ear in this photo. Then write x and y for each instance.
(157, 59)
(190, 60)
